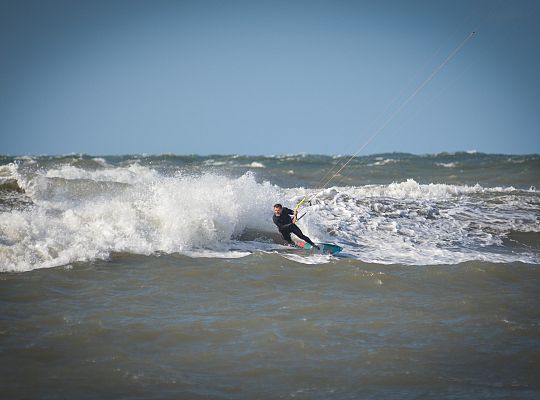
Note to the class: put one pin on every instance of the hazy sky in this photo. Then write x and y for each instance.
(267, 77)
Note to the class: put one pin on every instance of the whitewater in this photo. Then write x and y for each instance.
(74, 209)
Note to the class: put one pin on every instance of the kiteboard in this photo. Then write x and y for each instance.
(324, 248)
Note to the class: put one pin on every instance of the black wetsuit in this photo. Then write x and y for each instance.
(286, 226)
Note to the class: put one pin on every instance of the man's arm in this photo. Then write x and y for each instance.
(293, 213)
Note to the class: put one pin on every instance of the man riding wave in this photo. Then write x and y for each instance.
(287, 225)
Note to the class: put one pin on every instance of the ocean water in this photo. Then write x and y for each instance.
(163, 276)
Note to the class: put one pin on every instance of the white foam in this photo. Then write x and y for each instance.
(26, 159)
(132, 174)
(101, 161)
(422, 224)
(168, 214)
(447, 165)
(83, 215)
(309, 259)
(214, 163)
(217, 254)
(256, 164)
(383, 161)
(410, 189)
(8, 171)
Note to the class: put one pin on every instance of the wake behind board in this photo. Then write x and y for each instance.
(324, 248)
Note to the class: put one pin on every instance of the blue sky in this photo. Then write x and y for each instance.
(232, 77)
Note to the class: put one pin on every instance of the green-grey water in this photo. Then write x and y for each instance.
(162, 277)
(265, 327)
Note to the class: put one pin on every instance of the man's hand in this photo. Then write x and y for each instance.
(295, 217)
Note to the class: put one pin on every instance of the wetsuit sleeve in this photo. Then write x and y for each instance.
(288, 211)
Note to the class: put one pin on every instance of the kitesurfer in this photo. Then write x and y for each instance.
(287, 225)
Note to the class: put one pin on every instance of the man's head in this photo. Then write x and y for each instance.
(278, 208)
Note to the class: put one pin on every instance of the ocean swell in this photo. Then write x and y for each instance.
(64, 213)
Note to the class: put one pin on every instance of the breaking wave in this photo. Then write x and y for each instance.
(81, 214)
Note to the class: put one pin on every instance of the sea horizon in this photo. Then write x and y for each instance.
(152, 154)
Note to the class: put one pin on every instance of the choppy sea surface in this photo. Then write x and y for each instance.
(154, 277)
